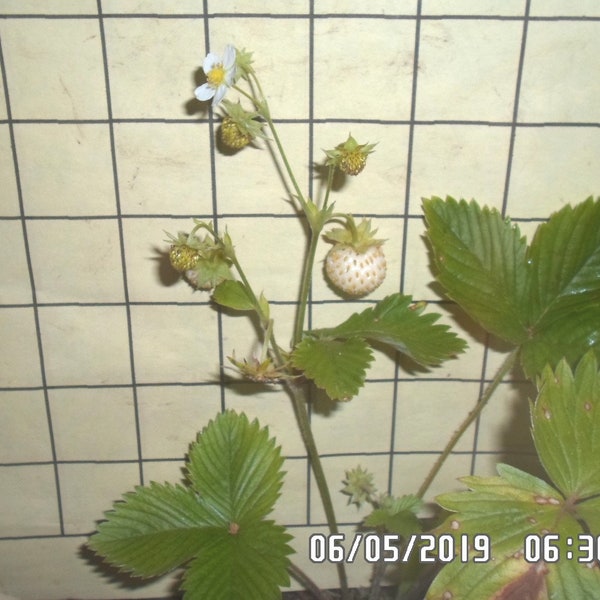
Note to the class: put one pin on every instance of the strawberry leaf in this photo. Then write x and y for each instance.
(544, 298)
(254, 561)
(396, 515)
(507, 509)
(154, 530)
(336, 366)
(479, 257)
(395, 321)
(236, 464)
(566, 426)
(233, 294)
(215, 525)
(563, 298)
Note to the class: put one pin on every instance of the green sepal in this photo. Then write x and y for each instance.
(233, 294)
(336, 366)
(393, 322)
(566, 426)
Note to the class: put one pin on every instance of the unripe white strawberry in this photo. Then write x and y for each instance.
(356, 264)
(355, 273)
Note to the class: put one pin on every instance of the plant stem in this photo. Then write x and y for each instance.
(506, 366)
(305, 286)
(299, 403)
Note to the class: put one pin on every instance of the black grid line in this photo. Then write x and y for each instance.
(121, 239)
(402, 217)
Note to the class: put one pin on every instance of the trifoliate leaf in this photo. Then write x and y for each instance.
(566, 426)
(507, 509)
(233, 294)
(249, 564)
(237, 466)
(154, 529)
(216, 523)
(394, 322)
(563, 299)
(336, 366)
(479, 257)
(544, 298)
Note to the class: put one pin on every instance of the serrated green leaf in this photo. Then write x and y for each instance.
(393, 321)
(236, 466)
(563, 298)
(544, 298)
(233, 294)
(507, 509)
(217, 523)
(250, 565)
(154, 529)
(336, 366)
(480, 259)
(566, 426)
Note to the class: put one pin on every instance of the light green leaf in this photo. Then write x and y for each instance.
(250, 565)
(563, 299)
(479, 257)
(507, 509)
(233, 294)
(237, 466)
(566, 426)
(154, 529)
(336, 366)
(393, 321)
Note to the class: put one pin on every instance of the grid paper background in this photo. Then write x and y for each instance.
(109, 367)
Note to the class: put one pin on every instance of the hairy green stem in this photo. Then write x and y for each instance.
(305, 286)
(506, 366)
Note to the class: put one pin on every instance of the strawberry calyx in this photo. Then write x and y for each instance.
(359, 236)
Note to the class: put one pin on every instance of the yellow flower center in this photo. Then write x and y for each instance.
(216, 77)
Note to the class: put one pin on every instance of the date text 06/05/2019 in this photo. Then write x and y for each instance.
(428, 548)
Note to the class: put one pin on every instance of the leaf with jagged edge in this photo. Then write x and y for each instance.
(238, 467)
(479, 258)
(249, 565)
(563, 296)
(507, 509)
(336, 366)
(565, 422)
(397, 322)
(160, 527)
(544, 298)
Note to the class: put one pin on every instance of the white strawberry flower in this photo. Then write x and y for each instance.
(220, 75)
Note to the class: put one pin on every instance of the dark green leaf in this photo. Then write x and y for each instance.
(233, 294)
(479, 257)
(248, 565)
(336, 366)
(566, 426)
(154, 530)
(393, 321)
(237, 466)
(396, 515)
(563, 299)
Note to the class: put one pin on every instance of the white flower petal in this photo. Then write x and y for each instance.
(210, 62)
(204, 92)
(229, 57)
(219, 94)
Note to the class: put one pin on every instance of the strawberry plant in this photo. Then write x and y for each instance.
(543, 299)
